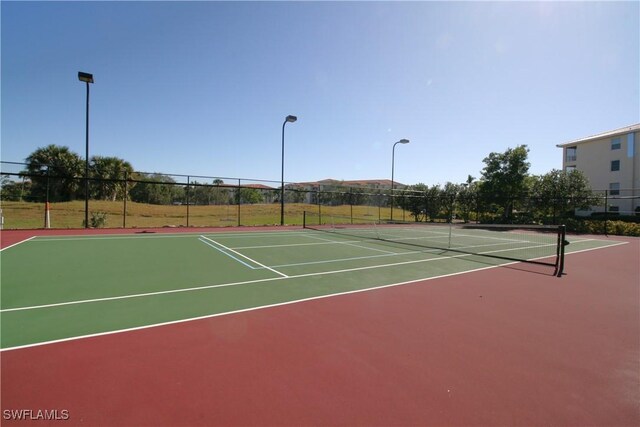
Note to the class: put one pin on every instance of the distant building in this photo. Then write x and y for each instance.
(611, 162)
(327, 184)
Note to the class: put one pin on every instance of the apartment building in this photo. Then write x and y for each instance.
(611, 162)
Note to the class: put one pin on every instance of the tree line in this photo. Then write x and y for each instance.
(505, 193)
(56, 174)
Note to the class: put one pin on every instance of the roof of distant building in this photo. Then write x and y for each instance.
(611, 133)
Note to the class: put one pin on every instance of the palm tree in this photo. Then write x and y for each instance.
(56, 169)
(109, 174)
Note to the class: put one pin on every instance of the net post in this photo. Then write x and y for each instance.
(562, 242)
(304, 219)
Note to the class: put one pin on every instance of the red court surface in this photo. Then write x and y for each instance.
(495, 347)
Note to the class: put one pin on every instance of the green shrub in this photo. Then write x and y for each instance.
(617, 227)
(97, 220)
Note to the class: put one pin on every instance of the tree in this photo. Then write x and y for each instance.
(467, 197)
(56, 170)
(219, 196)
(12, 190)
(110, 174)
(449, 196)
(415, 200)
(250, 195)
(156, 189)
(560, 193)
(503, 182)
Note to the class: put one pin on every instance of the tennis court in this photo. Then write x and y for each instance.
(86, 305)
(55, 288)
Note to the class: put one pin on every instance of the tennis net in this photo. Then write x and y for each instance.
(537, 244)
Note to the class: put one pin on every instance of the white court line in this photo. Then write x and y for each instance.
(288, 277)
(354, 245)
(16, 244)
(287, 245)
(244, 310)
(346, 270)
(206, 242)
(426, 250)
(245, 257)
(139, 236)
(271, 305)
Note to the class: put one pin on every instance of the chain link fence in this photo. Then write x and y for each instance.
(47, 198)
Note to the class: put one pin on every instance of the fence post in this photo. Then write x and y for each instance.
(188, 202)
(351, 203)
(319, 208)
(238, 199)
(126, 196)
(47, 218)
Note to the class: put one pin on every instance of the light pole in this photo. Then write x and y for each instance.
(288, 119)
(393, 153)
(87, 78)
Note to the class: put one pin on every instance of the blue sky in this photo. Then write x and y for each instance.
(202, 88)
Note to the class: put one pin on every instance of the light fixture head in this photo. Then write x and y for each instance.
(291, 119)
(85, 77)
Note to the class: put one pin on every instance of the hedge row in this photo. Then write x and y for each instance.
(618, 228)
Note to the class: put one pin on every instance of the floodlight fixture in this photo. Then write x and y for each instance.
(393, 152)
(85, 77)
(288, 119)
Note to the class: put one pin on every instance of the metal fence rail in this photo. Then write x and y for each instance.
(141, 199)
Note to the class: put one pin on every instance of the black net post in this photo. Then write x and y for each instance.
(606, 210)
(562, 242)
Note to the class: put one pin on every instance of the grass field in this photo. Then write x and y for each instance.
(25, 215)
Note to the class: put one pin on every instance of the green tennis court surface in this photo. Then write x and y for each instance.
(57, 288)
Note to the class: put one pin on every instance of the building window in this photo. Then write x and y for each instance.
(615, 165)
(614, 189)
(614, 208)
(569, 169)
(571, 154)
(615, 144)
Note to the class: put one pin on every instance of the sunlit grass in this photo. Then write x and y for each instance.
(25, 215)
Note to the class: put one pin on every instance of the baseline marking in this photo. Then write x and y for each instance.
(16, 244)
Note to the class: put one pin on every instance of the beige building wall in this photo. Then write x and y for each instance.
(598, 156)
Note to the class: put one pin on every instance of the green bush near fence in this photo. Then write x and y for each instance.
(616, 227)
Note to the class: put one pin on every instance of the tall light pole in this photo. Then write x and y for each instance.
(288, 119)
(87, 78)
(393, 154)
